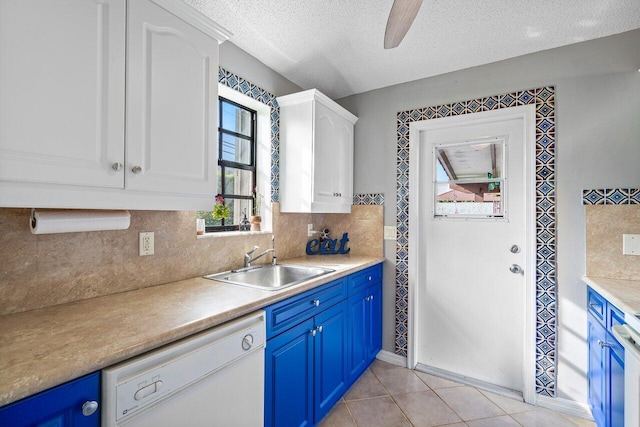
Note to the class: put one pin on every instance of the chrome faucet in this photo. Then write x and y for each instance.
(248, 259)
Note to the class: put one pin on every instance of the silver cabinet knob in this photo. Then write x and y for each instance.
(136, 169)
(316, 302)
(116, 166)
(319, 328)
(247, 342)
(515, 269)
(89, 407)
(313, 332)
(369, 278)
(514, 249)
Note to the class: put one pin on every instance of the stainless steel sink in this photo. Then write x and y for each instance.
(270, 277)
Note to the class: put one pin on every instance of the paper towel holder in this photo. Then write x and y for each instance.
(53, 221)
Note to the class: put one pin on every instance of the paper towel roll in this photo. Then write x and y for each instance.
(51, 221)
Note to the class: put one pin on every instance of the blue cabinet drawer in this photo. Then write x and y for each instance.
(364, 278)
(596, 305)
(285, 314)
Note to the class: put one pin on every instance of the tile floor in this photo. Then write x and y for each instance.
(387, 395)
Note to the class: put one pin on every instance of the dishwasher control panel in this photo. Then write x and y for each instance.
(132, 386)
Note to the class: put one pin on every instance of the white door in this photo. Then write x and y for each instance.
(62, 72)
(172, 100)
(471, 307)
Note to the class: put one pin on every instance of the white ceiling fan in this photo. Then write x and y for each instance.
(402, 14)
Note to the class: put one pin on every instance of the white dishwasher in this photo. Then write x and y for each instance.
(214, 378)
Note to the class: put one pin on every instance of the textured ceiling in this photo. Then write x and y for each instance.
(336, 45)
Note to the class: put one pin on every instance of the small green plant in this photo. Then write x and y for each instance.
(220, 210)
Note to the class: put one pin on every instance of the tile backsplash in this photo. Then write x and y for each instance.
(49, 269)
(605, 225)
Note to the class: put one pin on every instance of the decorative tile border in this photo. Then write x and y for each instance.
(368, 199)
(546, 299)
(247, 88)
(611, 196)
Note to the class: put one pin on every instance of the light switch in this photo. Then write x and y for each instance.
(389, 232)
(631, 244)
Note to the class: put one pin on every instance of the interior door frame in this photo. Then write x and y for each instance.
(528, 114)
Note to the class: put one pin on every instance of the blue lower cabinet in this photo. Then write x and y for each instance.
(616, 383)
(61, 406)
(365, 329)
(306, 370)
(330, 359)
(319, 343)
(596, 371)
(605, 376)
(289, 377)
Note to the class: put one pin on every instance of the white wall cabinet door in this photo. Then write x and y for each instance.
(333, 157)
(62, 72)
(316, 154)
(171, 104)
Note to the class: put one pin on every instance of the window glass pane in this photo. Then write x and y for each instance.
(235, 119)
(238, 181)
(208, 219)
(236, 149)
(237, 209)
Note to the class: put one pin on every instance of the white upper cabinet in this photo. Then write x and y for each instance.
(172, 92)
(72, 136)
(62, 71)
(316, 154)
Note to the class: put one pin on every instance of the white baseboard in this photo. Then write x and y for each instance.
(394, 359)
(565, 406)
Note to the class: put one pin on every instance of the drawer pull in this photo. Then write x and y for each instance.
(319, 328)
(603, 344)
(316, 302)
(594, 304)
(369, 278)
(313, 332)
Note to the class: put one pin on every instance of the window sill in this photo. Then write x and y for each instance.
(232, 233)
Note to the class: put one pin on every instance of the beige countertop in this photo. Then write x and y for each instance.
(42, 348)
(624, 294)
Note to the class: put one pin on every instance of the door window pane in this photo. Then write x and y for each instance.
(238, 181)
(469, 179)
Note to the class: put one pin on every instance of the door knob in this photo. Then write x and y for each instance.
(515, 269)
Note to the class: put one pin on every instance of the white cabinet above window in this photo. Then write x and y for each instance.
(71, 136)
(316, 154)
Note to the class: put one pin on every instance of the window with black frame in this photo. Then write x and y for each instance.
(236, 168)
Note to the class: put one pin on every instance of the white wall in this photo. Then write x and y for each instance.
(598, 146)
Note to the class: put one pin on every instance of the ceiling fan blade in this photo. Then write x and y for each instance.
(402, 14)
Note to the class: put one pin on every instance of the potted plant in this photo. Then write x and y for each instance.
(220, 210)
(256, 219)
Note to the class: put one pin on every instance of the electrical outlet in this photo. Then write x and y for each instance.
(389, 232)
(631, 244)
(146, 243)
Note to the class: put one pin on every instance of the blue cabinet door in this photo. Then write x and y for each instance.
(331, 375)
(374, 317)
(60, 406)
(289, 377)
(596, 371)
(365, 329)
(357, 335)
(616, 382)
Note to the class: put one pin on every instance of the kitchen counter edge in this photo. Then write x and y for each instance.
(43, 348)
